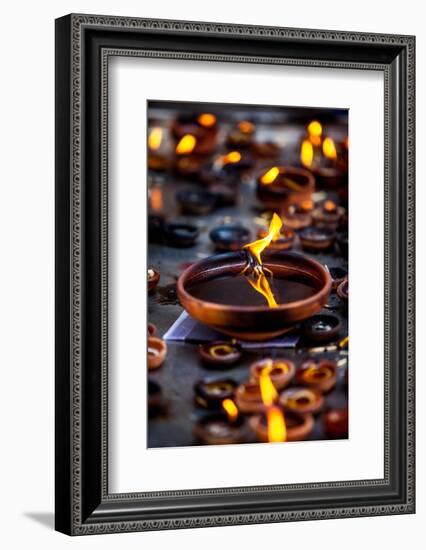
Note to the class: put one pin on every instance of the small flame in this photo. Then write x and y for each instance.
(207, 120)
(314, 129)
(156, 199)
(155, 138)
(257, 247)
(246, 127)
(186, 144)
(262, 286)
(267, 389)
(329, 148)
(277, 432)
(329, 206)
(231, 158)
(306, 205)
(306, 153)
(230, 408)
(270, 176)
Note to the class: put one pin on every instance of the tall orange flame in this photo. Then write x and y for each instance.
(276, 424)
(306, 153)
(261, 284)
(186, 144)
(230, 408)
(155, 138)
(257, 247)
(329, 148)
(267, 389)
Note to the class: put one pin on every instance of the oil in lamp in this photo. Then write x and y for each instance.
(221, 353)
(279, 187)
(321, 375)
(316, 239)
(322, 327)
(281, 371)
(255, 298)
(196, 202)
(210, 392)
(299, 215)
(222, 428)
(157, 351)
(301, 401)
(230, 237)
(328, 215)
(180, 235)
(297, 428)
(336, 423)
(153, 279)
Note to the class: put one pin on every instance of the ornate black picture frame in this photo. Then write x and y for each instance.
(83, 45)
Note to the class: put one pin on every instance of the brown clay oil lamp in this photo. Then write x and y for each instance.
(301, 401)
(153, 279)
(327, 215)
(322, 327)
(226, 194)
(336, 423)
(315, 239)
(281, 371)
(157, 351)
(154, 397)
(195, 133)
(297, 428)
(230, 237)
(298, 216)
(265, 149)
(236, 294)
(280, 186)
(158, 158)
(284, 240)
(196, 202)
(210, 392)
(320, 376)
(248, 398)
(222, 428)
(343, 291)
(321, 156)
(180, 235)
(220, 354)
(242, 135)
(338, 275)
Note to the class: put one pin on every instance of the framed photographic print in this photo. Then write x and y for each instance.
(217, 189)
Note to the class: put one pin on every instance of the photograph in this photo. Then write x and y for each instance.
(247, 273)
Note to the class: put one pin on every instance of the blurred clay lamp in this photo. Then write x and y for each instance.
(242, 135)
(153, 279)
(316, 239)
(210, 392)
(336, 423)
(222, 428)
(343, 291)
(298, 428)
(202, 129)
(180, 235)
(321, 328)
(321, 376)
(283, 241)
(279, 187)
(298, 216)
(220, 354)
(327, 215)
(196, 202)
(252, 296)
(302, 401)
(158, 153)
(280, 371)
(230, 237)
(157, 351)
(319, 154)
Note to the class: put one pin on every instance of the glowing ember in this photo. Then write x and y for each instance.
(277, 432)
(270, 176)
(246, 127)
(154, 139)
(230, 408)
(329, 148)
(257, 247)
(306, 153)
(186, 144)
(207, 120)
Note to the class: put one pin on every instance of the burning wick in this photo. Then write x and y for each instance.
(275, 418)
(186, 144)
(231, 158)
(231, 409)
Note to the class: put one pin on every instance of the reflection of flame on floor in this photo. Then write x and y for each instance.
(254, 270)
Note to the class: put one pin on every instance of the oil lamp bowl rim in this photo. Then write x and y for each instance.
(287, 169)
(245, 321)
